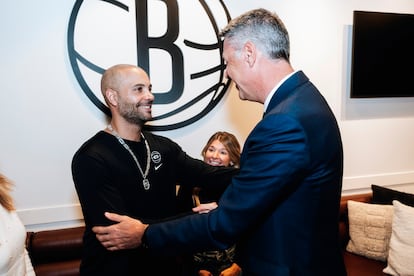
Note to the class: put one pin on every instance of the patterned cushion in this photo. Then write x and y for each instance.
(369, 229)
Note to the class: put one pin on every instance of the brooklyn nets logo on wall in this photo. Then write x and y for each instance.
(175, 41)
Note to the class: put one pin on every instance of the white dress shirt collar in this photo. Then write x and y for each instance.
(269, 97)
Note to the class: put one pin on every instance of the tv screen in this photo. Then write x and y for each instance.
(382, 55)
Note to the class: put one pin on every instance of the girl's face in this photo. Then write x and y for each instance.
(217, 154)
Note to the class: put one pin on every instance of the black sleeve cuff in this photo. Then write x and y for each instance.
(144, 242)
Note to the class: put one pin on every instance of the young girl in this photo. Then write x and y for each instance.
(222, 149)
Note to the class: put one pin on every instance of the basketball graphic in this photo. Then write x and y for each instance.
(176, 42)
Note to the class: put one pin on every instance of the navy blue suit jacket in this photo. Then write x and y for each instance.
(282, 208)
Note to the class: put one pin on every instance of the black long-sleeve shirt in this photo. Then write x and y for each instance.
(107, 178)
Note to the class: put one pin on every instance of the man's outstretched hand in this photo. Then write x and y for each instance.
(125, 234)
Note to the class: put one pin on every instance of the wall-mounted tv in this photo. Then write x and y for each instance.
(382, 55)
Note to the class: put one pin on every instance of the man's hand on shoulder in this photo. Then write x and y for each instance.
(125, 234)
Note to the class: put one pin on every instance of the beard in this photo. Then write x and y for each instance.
(132, 114)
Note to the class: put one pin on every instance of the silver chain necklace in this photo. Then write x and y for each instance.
(145, 181)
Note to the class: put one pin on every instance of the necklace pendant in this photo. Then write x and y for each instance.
(146, 184)
(145, 181)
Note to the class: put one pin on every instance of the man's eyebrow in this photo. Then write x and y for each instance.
(138, 84)
(141, 85)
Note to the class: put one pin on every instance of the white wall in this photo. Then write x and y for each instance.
(45, 117)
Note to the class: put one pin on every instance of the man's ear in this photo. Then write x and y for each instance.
(249, 51)
(112, 96)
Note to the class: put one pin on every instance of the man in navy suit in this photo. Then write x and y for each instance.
(282, 208)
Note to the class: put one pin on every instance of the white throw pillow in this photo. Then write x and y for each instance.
(369, 229)
(401, 252)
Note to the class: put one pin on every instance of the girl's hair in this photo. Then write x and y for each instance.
(231, 144)
(5, 197)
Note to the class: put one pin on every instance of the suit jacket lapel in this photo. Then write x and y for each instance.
(291, 84)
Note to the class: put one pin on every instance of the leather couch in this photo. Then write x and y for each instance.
(58, 252)
(55, 252)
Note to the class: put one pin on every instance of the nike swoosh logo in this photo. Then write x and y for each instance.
(158, 166)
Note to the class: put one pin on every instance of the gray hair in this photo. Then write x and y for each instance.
(265, 29)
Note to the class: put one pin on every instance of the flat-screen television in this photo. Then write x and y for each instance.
(382, 55)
